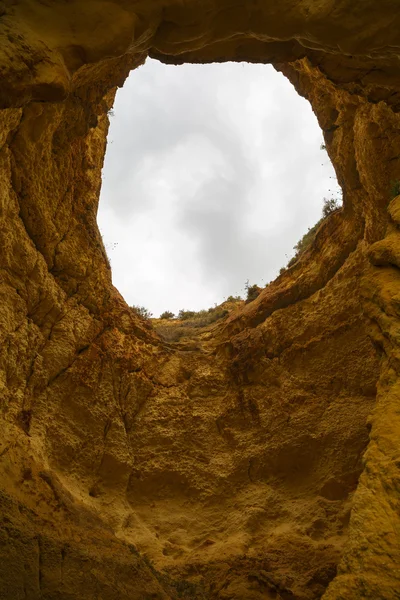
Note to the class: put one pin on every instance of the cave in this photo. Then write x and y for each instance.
(263, 463)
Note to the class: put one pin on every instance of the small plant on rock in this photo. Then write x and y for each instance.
(329, 206)
(142, 311)
(252, 291)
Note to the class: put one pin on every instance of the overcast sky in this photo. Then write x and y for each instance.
(212, 174)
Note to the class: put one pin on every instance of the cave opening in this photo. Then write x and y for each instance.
(226, 466)
(213, 173)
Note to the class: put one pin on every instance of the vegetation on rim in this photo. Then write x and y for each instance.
(330, 206)
(142, 311)
(188, 322)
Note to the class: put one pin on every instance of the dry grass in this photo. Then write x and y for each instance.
(174, 330)
(190, 324)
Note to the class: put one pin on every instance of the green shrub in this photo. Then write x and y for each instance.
(142, 311)
(329, 206)
(305, 241)
(234, 299)
(167, 314)
(252, 291)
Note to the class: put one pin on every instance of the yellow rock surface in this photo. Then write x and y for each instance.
(261, 458)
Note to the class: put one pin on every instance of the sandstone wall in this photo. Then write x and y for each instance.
(260, 460)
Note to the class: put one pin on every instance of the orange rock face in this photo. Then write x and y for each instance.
(260, 459)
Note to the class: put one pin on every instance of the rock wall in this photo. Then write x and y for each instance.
(261, 459)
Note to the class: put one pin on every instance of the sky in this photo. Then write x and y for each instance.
(212, 174)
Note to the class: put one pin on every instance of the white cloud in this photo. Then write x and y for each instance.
(213, 174)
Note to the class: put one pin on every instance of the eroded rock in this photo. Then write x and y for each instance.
(261, 461)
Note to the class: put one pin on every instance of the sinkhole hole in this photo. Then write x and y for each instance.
(212, 174)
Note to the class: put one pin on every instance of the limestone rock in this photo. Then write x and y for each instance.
(261, 460)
